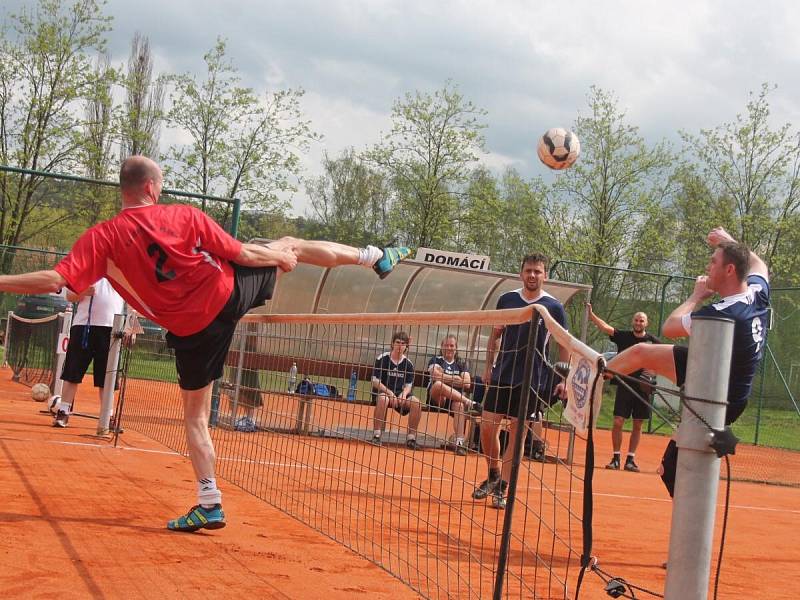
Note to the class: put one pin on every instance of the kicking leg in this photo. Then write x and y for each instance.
(652, 357)
(332, 254)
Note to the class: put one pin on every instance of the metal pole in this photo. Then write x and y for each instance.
(61, 352)
(237, 378)
(107, 401)
(697, 478)
(7, 338)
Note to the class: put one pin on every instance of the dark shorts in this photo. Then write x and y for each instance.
(505, 400)
(636, 404)
(401, 410)
(200, 357)
(77, 360)
(445, 404)
(680, 354)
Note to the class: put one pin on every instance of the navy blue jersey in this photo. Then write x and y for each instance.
(393, 375)
(749, 312)
(457, 367)
(509, 365)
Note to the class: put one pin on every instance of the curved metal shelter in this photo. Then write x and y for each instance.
(413, 286)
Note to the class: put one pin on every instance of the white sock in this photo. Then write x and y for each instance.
(376, 433)
(459, 441)
(411, 436)
(207, 493)
(369, 256)
(631, 454)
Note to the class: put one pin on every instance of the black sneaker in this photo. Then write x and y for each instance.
(614, 464)
(412, 444)
(485, 488)
(61, 420)
(499, 495)
(539, 452)
(391, 256)
(630, 465)
(461, 449)
(376, 440)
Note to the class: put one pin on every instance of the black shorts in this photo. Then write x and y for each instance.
(680, 354)
(401, 410)
(636, 405)
(200, 357)
(505, 400)
(77, 360)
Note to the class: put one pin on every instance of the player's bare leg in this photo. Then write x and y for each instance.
(208, 511)
(657, 358)
(379, 418)
(332, 254)
(490, 446)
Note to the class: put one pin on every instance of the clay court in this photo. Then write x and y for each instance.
(85, 519)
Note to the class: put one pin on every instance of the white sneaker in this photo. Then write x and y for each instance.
(62, 417)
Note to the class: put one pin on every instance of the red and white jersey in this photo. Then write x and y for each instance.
(169, 261)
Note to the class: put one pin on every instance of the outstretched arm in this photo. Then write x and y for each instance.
(255, 255)
(599, 323)
(38, 282)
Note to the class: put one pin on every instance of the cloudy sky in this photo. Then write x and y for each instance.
(677, 65)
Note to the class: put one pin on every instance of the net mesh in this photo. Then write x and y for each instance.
(31, 348)
(305, 449)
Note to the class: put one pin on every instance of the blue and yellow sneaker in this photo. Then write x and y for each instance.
(391, 256)
(199, 518)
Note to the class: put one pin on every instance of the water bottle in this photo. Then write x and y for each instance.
(351, 390)
(292, 377)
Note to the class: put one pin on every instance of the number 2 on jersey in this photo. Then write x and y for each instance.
(162, 258)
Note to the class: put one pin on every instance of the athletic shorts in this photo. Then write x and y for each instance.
(505, 400)
(445, 404)
(77, 360)
(401, 410)
(636, 405)
(200, 357)
(680, 354)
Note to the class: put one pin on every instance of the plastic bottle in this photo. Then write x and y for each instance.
(292, 377)
(351, 390)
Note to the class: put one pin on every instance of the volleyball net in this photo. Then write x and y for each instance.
(301, 439)
(31, 348)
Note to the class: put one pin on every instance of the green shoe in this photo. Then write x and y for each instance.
(199, 518)
(391, 256)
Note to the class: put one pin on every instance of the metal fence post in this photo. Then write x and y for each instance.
(107, 401)
(697, 478)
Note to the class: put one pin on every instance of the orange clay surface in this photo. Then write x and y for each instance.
(83, 519)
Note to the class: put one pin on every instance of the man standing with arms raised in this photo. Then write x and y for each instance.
(627, 403)
(177, 267)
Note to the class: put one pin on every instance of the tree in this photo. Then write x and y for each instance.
(427, 154)
(45, 73)
(758, 168)
(140, 122)
(618, 194)
(241, 147)
(349, 201)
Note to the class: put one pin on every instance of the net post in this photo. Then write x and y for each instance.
(61, 353)
(107, 401)
(697, 476)
(518, 441)
(7, 338)
(243, 331)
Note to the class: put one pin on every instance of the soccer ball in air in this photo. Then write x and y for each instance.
(558, 148)
(40, 392)
(54, 405)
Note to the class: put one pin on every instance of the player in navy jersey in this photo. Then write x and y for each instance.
(504, 377)
(627, 403)
(740, 278)
(450, 380)
(392, 382)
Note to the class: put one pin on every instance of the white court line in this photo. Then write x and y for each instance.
(222, 458)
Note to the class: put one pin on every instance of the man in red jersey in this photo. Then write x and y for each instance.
(179, 268)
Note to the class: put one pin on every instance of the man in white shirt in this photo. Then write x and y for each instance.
(89, 341)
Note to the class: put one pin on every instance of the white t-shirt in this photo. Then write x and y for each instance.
(105, 304)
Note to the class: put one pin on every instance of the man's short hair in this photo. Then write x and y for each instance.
(738, 255)
(400, 335)
(135, 171)
(536, 257)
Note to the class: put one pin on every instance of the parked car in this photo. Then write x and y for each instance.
(38, 306)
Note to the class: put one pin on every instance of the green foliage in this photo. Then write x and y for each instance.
(45, 70)
(241, 146)
(349, 201)
(426, 155)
